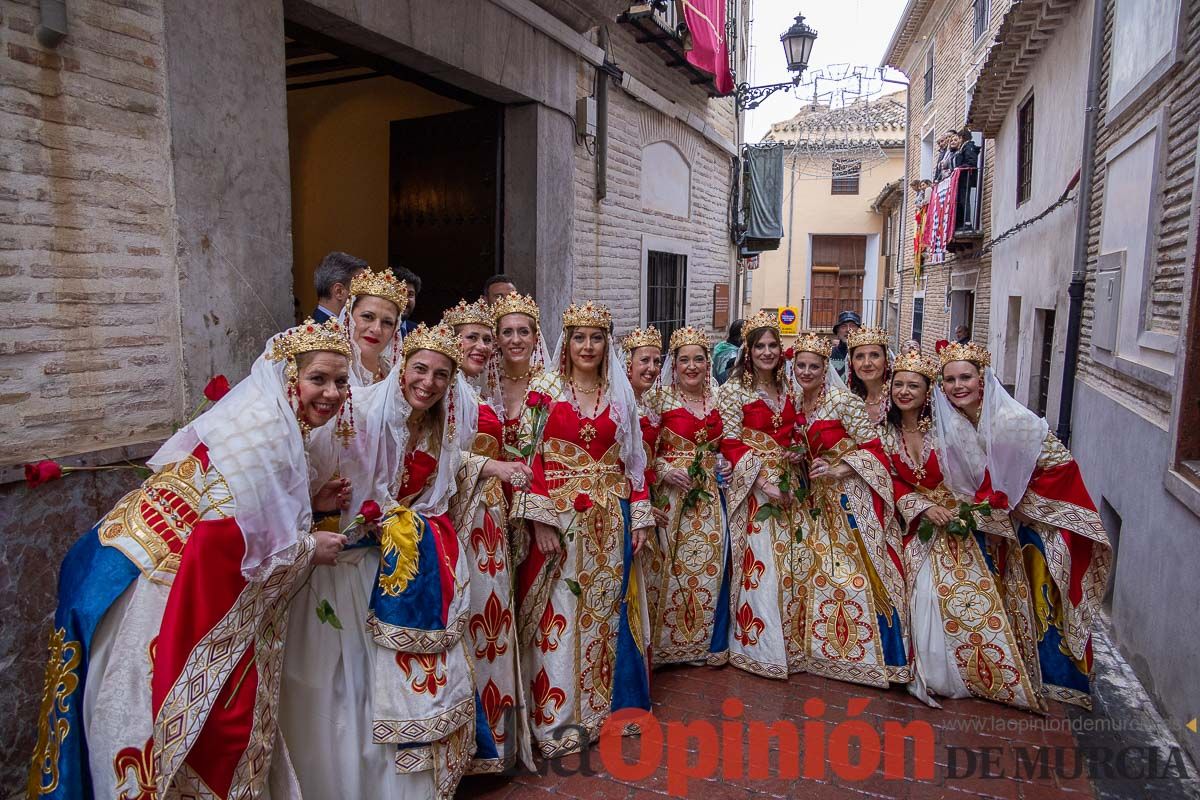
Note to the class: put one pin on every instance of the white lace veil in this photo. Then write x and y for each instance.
(623, 409)
(360, 375)
(1007, 443)
(666, 377)
(254, 440)
(832, 379)
(374, 462)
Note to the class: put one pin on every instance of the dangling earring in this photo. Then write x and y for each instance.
(747, 372)
(450, 425)
(293, 395)
(925, 421)
(344, 427)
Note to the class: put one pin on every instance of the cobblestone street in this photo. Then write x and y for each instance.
(1124, 734)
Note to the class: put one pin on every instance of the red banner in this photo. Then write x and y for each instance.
(710, 50)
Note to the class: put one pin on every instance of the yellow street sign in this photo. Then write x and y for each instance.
(1191, 726)
(789, 320)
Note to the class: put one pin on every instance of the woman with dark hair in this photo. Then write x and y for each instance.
(758, 416)
(969, 631)
(868, 372)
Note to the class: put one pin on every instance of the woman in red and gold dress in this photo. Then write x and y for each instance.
(692, 625)
(164, 668)
(869, 371)
(371, 318)
(758, 418)
(520, 355)
(853, 611)
(583, 624)
(994, 449)
(967, 627)
(481, 519)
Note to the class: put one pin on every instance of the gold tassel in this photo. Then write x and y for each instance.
(400, 533)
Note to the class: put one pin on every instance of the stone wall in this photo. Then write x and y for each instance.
(611, 232)
(91, 352)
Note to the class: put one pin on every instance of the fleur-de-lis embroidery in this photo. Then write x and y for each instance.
(428, 681)
(544, 695)
(486, 540)
(60, 683)
(140, 761)
(750, 627)
(752, 570)
(488, 628)
(550, 627)
(495, 703)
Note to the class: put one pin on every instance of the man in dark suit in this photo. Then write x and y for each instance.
(332, 280)
(414, 288)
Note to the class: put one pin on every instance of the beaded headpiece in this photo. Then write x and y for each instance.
(380, 284)
(682, 337)
(979, 356)
(918, 363)
(864, 336)
(756, 322)
(440, 339)
(477, 313)
(589, 315)
(515, 303)
(812, 342)
(309, 337)
(638, 337)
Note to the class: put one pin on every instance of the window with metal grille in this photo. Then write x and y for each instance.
(918, 317)
(1025, 151)
(666, 291)
(845, 176)
(929, 75)
(981, 17)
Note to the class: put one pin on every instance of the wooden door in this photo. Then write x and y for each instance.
(444, 212)
(839, 264)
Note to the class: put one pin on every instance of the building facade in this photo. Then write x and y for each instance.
(833, 253)
(940, 45)
(173, 174)
(1135, 423)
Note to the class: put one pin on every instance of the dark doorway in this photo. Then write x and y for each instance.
(444, 204)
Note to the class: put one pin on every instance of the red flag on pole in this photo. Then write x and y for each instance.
(710, 49)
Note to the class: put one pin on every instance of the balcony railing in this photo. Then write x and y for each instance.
(660, 25)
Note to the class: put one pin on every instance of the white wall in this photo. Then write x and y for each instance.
(1035, 264)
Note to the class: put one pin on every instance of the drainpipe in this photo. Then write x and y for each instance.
(602, 122)
(903, 207)
(1079, 264)
(52, 28)
(791, 216)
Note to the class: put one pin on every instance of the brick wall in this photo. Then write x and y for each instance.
(1181, 95)
(91, 354)
(608, 233)
(958, 56)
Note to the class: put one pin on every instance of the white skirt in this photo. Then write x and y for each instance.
(327, 696)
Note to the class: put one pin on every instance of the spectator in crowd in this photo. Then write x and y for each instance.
(921, 187)
(414, 288)
(332, 281)
(496, 287)
(847, 322)
(966, 153)
(962, 334)
(725, 353)
(912, 346)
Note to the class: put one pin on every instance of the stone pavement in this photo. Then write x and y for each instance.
(978, 749)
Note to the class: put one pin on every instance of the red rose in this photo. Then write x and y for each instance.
(790, 353)
(217, 388)
(537, 400)
(370, 511)
(940, 345)
(582, 503)
(42, 472)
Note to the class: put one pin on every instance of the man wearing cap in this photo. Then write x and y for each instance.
(847, 322)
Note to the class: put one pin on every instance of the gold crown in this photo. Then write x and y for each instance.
(309, 337)
(477, 313)
(515, 303)
(756, 322)
(682, 337)
(440, 339)
(979, 356)
(380, 284)
(812, 342)
(650, 337)
(589, 315)
(919, 363)
(863, 336)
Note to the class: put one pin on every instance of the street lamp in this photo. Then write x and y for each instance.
(797, 47)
